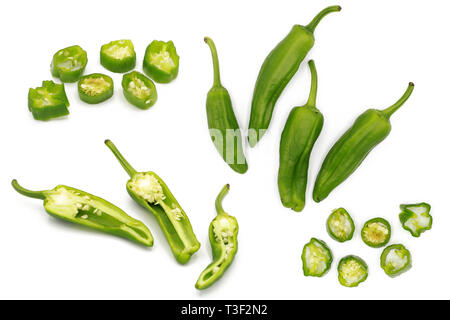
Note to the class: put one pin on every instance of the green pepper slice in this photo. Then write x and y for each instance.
(352, 270)
(118, 56)
(316, 258)
(340, 225)
(49, 101)
(95, 88)
(139, 90)
(395, 260)
(68, 64)
(416, 218)
(161, 61)
(376, 232)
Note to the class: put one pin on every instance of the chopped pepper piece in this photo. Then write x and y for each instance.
(395, 260)
(118, 56)
(139, 90)
(316, 258)
(161, 61)
(68, 64)
(95, 88)
(49, 101)
(416, 218)
(340, 225)
(376, 232)
(352, 270)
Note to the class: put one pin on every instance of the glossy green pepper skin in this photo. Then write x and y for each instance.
(223, 126)
(161, 61)
(85, 209)
(368, 130)
(95, 88)
(139, 90)
(300, 132)
(118, 56)
(48, 101)
(68, 64)
(277, 70)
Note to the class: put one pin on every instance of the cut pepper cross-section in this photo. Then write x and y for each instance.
(340, 225)
(352, 270)
(161, 61)
(395, 260)
(118, 56)
(139, 90)
(68, 64)
(416, 218)
(49, 101)
(95, 88)
(376, 232)
(316, 258)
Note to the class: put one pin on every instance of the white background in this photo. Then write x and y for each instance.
(365, 56)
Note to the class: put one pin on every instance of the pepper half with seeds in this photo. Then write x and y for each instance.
(95, 88)
(49, 101)
(161, 61)
(416, 218)
(118, 56)
(376, 232)
(340, 225)
(352, 270)
(316, 258)
(139, 90)
(68, 64)
(395, 260)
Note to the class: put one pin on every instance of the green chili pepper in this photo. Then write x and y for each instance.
(277, 70)
(82, 208)
(352, 270)
(368, 130)
(118, 56)
(300, 132)
(161, 61)
(316, 258)
(139, 90)
(223, 126)
(95, 88)
(148, 190)
(49, 101)
(376, 232)
(395, 260)
(340, 225)
(68, 64)
(416, 218)
(223, 232)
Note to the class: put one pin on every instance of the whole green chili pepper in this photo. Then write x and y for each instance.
(300, 132)
(368, 130)
(395, 260)
(222, 123)
(223, 232)
(161, 61)
(277, 70)
(340, 225)
(49, 101)
(68, 64)
(416, 218)
(316, 258)
(118, 56)
(376, 232)
(95, 88)
(352, 270)
(148, 190)
(82, 208)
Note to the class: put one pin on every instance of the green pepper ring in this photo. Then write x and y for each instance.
(152, 70)
(327, 265)
(359, 261)
(372, 244)
(95, 97)
(352, 225)
(118, 65)
(143, 103)
(405, 268)
(406, 214)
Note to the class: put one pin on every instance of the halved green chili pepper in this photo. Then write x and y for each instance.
(300, 132)
(316, 258)
(148, 190)
(368, 130)
(161, 61)
(340, 225)
(139, 90)
(352, 270)
(376, 232)
(118, 56)
(395, 260)
(68, 64)
(49, 101)
(416, 218)
(277, 70)
(95, 88)
(223, 126)
(82, 208)
(223, 232)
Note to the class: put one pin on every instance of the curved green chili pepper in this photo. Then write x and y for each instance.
(340, 225)
(352, 270)
(161, 61)
(223, 232)
(82, 208)
(395, 260)
(416, 218)
(95, 88)
(376, 232)
(118, 56)
(300, 132)
(368, 130)
(277, 70)
(68, 64)
(316, 258)
(150, 191)
(223, 126)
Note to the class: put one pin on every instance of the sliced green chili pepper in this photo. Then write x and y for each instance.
(148, 190)
(395, 260)
(368, 130)
(340, 225)
(223, 232)
(300, 132)
(82, 208)
(316, 258)
(161, 61)
(277, 70)
(139, 90)
(416, 218)
(223, 126)
(352, 270)
(49, 101)
(68, 64)
(95, 88)
(376, 232)
(118, 56)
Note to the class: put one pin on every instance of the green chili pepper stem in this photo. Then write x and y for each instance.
(215, 59)
(128, 168)
(313, 91)
(220, 197)
(313, 24)
(389, 111)
(26, 192)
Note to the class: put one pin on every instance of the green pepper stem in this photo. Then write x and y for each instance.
(26, 192)
(314, 22)
(313, 91)
(389, 111)
(220, 197)
(128, 168)
(215, 59)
